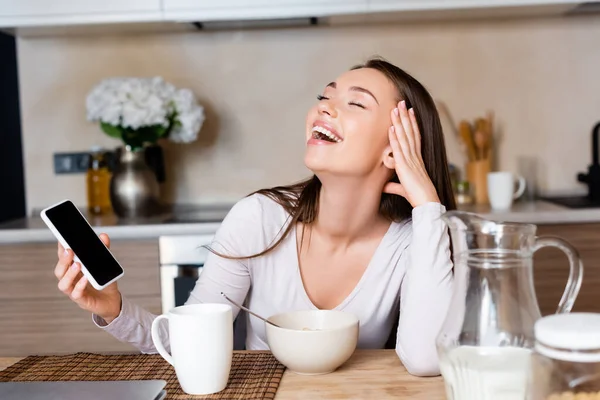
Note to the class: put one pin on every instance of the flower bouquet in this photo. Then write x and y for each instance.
(140, 111)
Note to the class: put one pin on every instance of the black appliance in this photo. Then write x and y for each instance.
(12, 201)
(591, 179)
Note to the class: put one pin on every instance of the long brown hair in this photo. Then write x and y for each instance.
(301, 200)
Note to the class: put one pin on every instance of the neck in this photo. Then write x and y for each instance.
(349, 209)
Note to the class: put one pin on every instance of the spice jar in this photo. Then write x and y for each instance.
(566, 361)
(98, 183)
(463, 193)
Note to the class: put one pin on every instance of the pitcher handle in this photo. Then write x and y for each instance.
(575, 274)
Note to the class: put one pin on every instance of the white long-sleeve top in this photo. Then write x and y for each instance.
(410, 275)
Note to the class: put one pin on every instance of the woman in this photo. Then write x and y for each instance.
(363, 235)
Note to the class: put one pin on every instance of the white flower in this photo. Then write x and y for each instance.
(189, 115)
(142, 102)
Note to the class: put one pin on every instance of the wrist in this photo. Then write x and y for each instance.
(426, 194)
(432, 199)
(111, 315)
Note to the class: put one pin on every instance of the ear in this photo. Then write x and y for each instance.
(388, 158)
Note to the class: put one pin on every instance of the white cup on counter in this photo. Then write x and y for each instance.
(201, 338)
(501, 189)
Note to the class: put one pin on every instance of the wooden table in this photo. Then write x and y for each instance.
(369, 374)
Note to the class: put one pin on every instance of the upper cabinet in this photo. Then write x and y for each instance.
(443, 5)
(27, 14)
(210, 10)
(15, 13)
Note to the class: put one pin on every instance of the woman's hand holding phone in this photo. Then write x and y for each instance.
(106, 303)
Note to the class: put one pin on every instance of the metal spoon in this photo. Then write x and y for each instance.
(247, 310)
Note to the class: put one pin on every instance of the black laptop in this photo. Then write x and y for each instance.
(84, 390)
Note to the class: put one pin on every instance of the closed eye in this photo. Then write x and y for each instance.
(352, 103)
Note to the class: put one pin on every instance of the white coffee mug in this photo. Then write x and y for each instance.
(501, 189)
(201, 338)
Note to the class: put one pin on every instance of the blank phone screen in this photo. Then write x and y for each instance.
(84, 242)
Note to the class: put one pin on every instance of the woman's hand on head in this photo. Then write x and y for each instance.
(405, 141)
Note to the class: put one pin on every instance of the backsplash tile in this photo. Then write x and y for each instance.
(539, 76)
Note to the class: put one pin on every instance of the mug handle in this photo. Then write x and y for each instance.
(521, 188)
(158, 342)
(575, 273)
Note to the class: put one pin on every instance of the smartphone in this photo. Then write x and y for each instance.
(73, 232)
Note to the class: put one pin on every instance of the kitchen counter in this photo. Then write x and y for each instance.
(539, 213)
(205, 220)
(182, 220)
(369, 374)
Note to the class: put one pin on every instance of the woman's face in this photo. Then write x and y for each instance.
(347, 130)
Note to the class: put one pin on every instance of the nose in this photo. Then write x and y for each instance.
(326, 108)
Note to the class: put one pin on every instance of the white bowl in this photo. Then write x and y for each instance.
(313, 342)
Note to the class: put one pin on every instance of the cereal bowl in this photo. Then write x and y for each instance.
(313, 342)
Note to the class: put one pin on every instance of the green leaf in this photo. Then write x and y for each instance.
(131, 138)
(161, 130)
(172, 119)
(111, 130)
(145, 135)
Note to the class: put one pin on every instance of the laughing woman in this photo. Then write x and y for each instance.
(363, 235)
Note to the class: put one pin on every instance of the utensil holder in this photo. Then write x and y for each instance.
(477, 176)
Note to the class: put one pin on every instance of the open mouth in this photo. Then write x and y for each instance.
(324, 134)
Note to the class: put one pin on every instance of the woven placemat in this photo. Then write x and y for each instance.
(254, 375)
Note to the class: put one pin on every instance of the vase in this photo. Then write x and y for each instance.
(134, 189)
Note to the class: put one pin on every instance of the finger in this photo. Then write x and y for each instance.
(416, 132)
(397, 152)
(400, 134)
(407, 126)
(105, 239)
(61, 250)
(65, 285)
(394, 188)
(79, 288)
(65, 260)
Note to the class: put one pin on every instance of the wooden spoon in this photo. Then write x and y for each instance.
(480, 140)
(490, 132)
(465, 134)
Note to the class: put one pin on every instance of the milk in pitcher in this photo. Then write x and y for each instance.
(486, 373)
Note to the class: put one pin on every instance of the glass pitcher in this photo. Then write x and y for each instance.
(485, 342)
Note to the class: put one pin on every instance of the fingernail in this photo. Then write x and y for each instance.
(412, 111)
(66, 252)
(74, 267)
(396, 111)
(392, 129)
(403, 104)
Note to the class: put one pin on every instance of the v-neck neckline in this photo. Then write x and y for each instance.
(358, 285)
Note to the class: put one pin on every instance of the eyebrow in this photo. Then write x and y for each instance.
(356, 89)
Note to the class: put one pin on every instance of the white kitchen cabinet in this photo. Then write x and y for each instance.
(17, 13)
(27, 16)
(208, 10)
(440, 5)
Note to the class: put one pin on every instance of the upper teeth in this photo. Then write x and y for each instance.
(327, 133)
